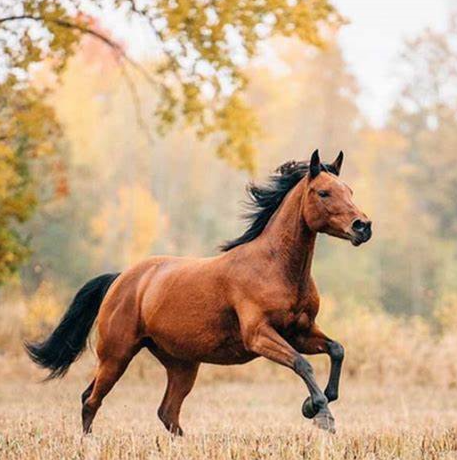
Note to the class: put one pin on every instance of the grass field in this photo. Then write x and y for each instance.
(237, 419)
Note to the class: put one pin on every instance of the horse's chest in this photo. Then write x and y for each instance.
(299, 315)
(285, 319)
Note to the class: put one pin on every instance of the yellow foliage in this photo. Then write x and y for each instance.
(42, 311)
(446, 312)
(203, 53)
(28, 135)
(240, 126)
(132, 220)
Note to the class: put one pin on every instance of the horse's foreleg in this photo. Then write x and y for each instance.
(316, 342)
(181, 379)
(265, 341)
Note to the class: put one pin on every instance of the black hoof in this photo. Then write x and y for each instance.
(308, 409)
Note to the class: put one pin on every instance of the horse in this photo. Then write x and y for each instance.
(255, 299)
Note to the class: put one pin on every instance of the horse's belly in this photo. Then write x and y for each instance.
(214, 349)
(211, 335)
(230, 350)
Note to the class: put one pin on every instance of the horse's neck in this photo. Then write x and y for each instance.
(290, 239)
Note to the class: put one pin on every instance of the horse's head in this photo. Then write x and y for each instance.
(328, 205)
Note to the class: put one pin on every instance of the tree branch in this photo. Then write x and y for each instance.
(119, 54)
(88, 31)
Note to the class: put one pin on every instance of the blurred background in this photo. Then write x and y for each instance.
(89, 185)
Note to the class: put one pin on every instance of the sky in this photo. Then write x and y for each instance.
(374, 38)
(371, 42)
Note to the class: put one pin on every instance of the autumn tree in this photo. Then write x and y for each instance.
(203, 47)
(29, 135)
(197, 77)
(318, 109)
(426, 114)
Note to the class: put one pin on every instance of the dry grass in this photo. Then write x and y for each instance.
(399, 399)
(226, 420)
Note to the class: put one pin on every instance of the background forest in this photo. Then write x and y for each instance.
(88, 186)
(100, 193)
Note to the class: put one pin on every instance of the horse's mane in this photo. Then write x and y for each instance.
(264, 200)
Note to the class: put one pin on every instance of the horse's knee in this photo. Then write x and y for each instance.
(336, 351)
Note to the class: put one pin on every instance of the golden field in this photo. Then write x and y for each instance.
(398, 399)
(253, 415)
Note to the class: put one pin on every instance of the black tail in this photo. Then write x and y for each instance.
(68, 340)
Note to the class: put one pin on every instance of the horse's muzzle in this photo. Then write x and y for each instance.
(361, 232)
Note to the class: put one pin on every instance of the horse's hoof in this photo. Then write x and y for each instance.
(308, 409)
(324, 420)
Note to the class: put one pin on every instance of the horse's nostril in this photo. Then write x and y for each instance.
(358, 225)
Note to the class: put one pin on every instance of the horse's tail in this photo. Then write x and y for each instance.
(69, 339)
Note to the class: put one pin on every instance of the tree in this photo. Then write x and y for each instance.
(426, 114)
(126, 227)
(203, 48)
(318, 109)
(419, 258)
(29, 135)
(197, 78)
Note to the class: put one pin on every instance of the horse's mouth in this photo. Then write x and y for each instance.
(356, 238)
(359, 238)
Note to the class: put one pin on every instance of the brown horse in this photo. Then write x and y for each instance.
(256, 299)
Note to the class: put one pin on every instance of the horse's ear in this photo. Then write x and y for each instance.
(315, 164)
(336, 165)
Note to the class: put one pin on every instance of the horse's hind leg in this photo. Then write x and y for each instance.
(109, 372)
(181, 379)
(87, 392)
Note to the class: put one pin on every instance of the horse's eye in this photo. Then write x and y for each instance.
(323, 193)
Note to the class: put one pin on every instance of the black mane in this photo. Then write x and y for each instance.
(265, 199)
